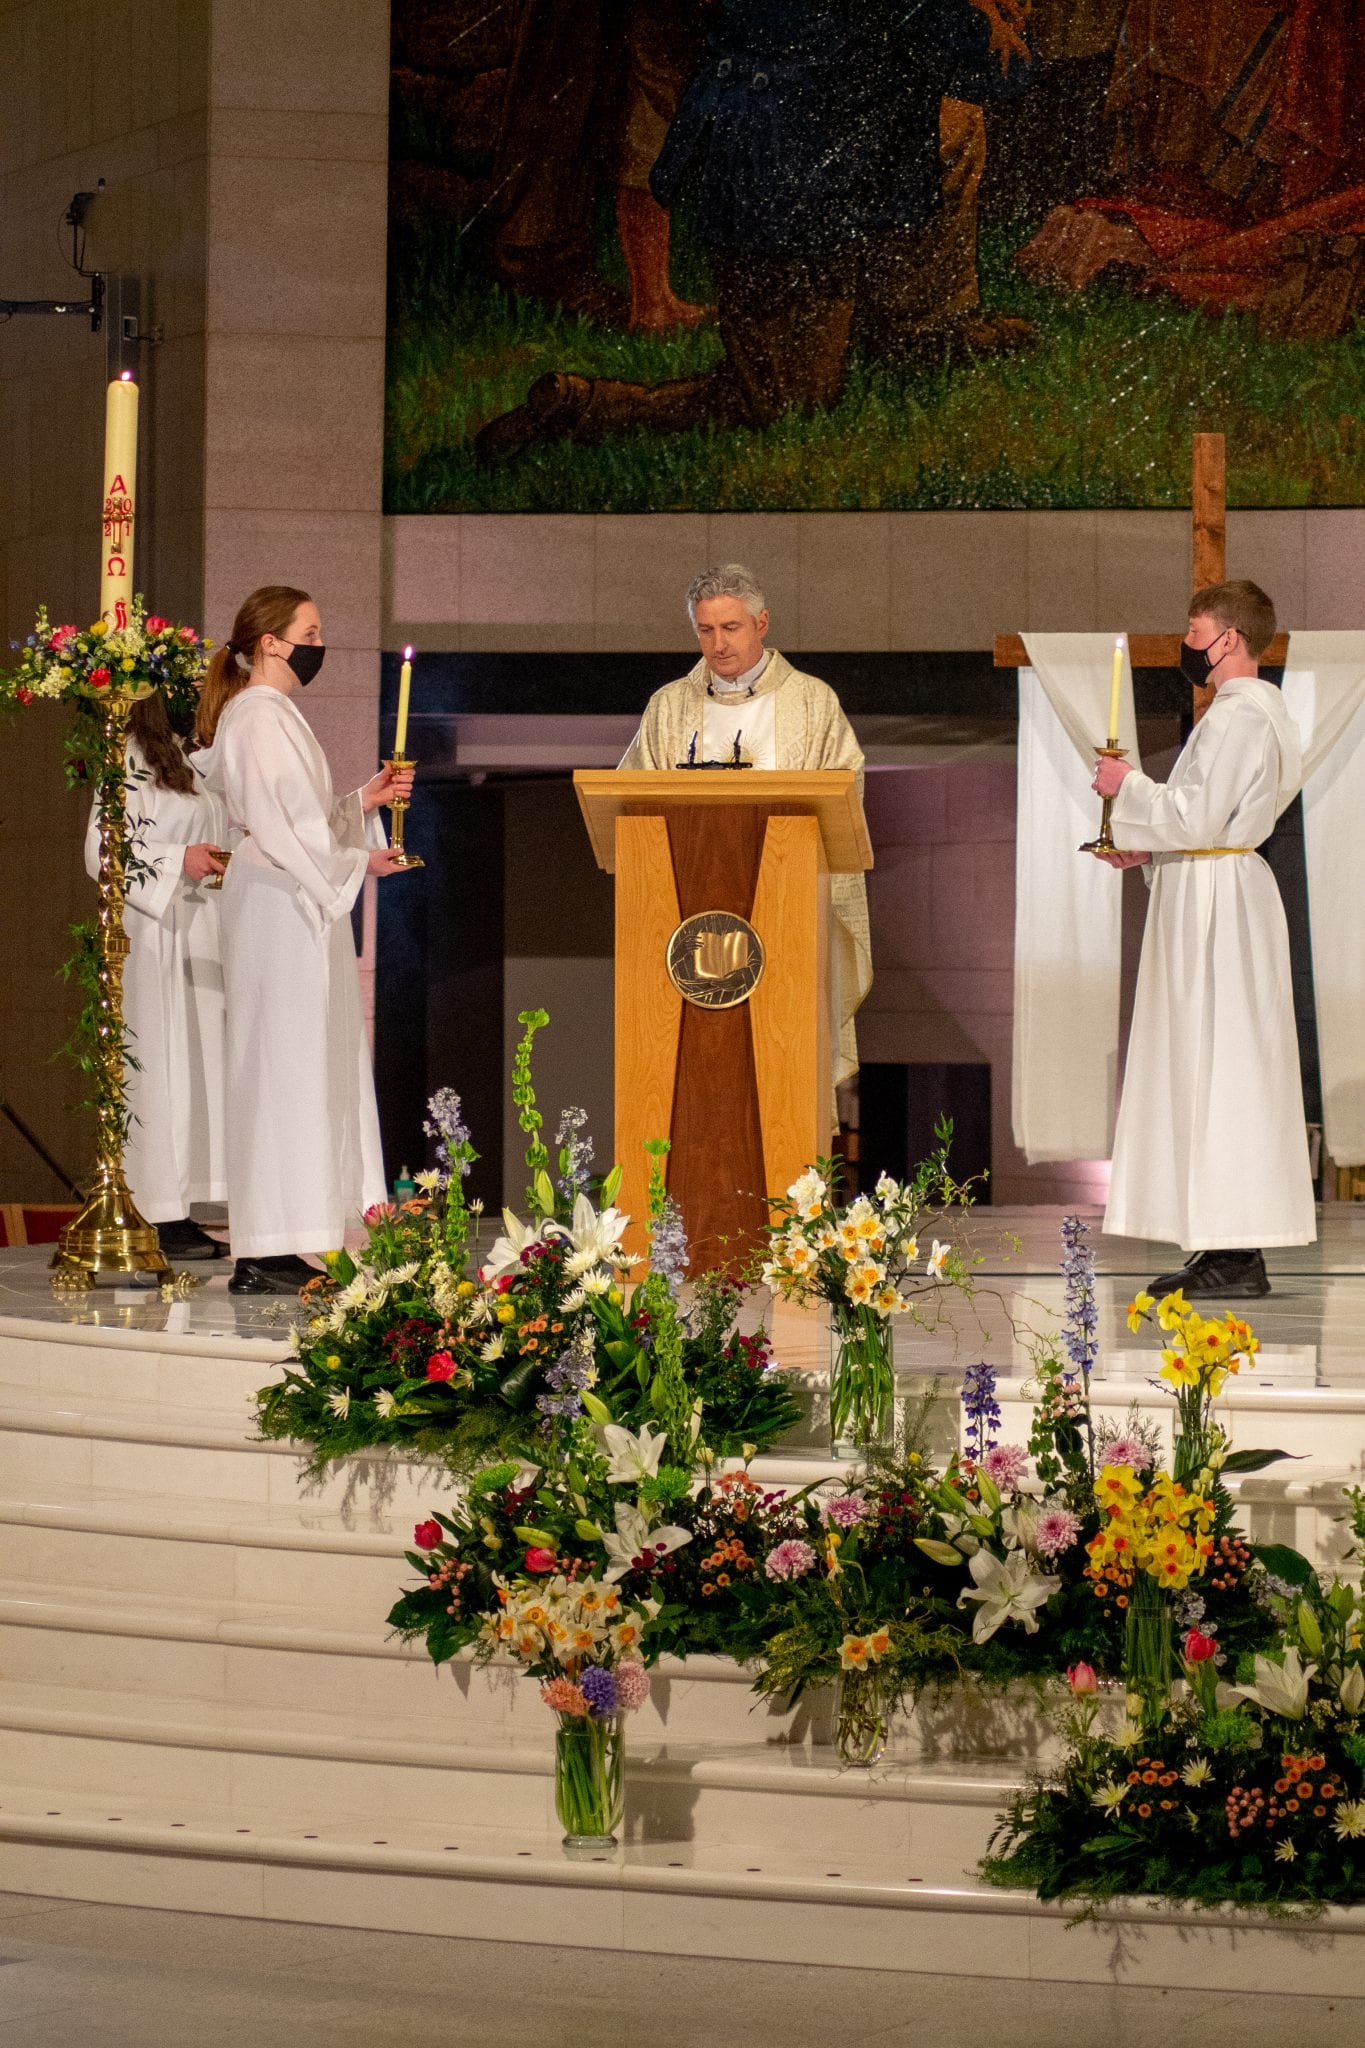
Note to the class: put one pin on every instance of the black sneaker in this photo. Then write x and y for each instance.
(1235, 1275)
(276, 1275)
(183, 1239)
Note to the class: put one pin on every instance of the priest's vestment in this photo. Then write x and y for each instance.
(303, 1149)
(172, 995)
(1211, 1149)
(810, 731)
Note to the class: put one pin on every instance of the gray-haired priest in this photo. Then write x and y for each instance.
(744, 701)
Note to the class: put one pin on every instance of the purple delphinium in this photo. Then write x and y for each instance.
(598, 1687)
(1079, 1333)
(566, 1379)
(575, 1152)
(981, 1411)
(668, 1246)
(444, 1123)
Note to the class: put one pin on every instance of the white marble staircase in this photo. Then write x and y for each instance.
(200, 1707)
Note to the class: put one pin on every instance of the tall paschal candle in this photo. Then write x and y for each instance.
(119, 504)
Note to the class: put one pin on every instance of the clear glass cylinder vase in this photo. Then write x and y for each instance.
(862, 1383)
(590, 1778)
(862, 1717)
(1148, 1646)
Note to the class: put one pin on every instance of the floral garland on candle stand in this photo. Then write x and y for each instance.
(100, 672)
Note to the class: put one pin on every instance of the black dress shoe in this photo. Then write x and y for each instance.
(183, 1239)
(1235, 1275)
(286, 1275)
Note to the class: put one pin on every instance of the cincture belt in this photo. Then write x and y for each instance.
(1213, 852)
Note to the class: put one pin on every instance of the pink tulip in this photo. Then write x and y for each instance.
(1081, 1678)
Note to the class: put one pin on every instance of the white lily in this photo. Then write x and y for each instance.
(630, 1457)
(1351, 1691)
(595, 1239)
(937, 1261)
(1005, 1590)
(633, 1538)
(1280, 1688)
(517, 1238)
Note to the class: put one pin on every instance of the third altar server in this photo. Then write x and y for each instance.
(1211, 1148)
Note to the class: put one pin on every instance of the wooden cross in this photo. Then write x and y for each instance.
(1208, 536)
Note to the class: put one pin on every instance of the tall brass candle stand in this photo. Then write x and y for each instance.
(108, 1235)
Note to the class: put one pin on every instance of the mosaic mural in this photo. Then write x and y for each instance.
(704, 255)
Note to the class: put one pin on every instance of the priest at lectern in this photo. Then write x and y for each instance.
(744, 705)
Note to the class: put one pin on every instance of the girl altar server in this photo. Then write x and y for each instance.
(303, 1152)
(172, 983)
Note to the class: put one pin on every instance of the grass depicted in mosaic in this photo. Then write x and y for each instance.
(1097, 413)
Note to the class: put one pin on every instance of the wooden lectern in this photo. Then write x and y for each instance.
(722, 875)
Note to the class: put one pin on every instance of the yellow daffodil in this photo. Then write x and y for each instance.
(1173, 1310)
(1137, 1310)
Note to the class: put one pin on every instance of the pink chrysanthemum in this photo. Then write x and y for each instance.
(790, 1560)
(845, 1511)
(632, 1685)
(1128, 1450)
(1006, 1464)
(564, 1696)
(1058, 1529)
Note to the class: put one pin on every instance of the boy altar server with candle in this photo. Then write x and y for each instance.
(1211, 1148)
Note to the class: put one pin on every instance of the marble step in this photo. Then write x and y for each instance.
(780, 1799)
(676, 1898)
(283, 1657)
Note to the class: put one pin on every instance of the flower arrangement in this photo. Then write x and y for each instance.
(99, 671)
(416, 1343)
(865, 1259)
(1251, 1794)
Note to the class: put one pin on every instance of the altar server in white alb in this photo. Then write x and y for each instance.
(1211, 1148)
(303, 1152)
(172, 983)
(744, 702)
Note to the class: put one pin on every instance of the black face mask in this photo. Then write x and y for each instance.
(305, 660)
(1195, 664)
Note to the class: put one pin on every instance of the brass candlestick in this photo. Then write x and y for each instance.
(1105, 842)
(399, 809)
(108, 1235)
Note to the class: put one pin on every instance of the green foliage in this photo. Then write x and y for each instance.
(540, 1194)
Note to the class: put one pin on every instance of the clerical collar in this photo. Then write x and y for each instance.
(742, 686)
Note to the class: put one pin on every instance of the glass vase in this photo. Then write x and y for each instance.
(589, 1778)
(862, 1717)
(862, 1384)
(1148, 1647)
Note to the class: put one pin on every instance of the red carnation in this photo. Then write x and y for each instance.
(25, 696)
(440, 1366)
(427, 1535)
(1199, 1648)
(99, 678)
(60, 636)
(539, 1560)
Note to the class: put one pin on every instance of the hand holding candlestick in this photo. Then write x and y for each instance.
(1112, 752)
(399, 766)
